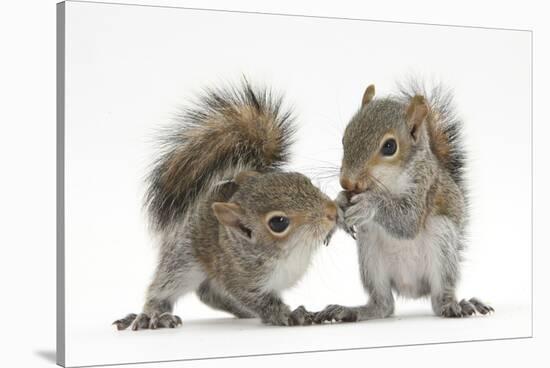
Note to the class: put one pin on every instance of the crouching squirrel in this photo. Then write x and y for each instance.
(232, 225)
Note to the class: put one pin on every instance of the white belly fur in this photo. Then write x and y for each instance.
(410, 266)
(289, 270)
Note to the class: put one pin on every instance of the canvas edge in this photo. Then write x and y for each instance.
(60, 178)
(60, 183)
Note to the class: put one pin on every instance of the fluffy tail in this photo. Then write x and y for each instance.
(444, 127)
(227, 131)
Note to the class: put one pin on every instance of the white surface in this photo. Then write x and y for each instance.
(27, 74)
(124, 80)
(224, 337)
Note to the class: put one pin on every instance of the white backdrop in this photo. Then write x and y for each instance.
(27, 90)
(129, 68)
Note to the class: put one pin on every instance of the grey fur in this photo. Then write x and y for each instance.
(225, 156)
(442, 102)
(214, 296)
(411, 213)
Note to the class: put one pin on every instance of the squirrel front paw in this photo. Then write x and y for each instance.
(342, 202)
(360, 211)
(299, 317)
(144, 321)
(337, 313)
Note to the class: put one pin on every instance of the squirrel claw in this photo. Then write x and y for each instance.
(124, 323)
(144, 321)
(481, 307)
(337, 313)
(351, 231)
(329, 236)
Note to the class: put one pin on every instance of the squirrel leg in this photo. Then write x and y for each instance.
(444, 278)
(156, 313)
(443, 296)
(270, 307)
(212, 296)
(175, 276)
(377, 284)
(445, 274)
(378, 306)
(376, 281)
(445, 304)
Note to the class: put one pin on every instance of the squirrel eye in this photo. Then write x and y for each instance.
(278, 224)
(389, 147)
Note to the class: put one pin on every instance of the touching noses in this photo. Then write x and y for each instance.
(353, 186)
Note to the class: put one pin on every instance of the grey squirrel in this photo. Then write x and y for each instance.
(232, 225)
(404, 193)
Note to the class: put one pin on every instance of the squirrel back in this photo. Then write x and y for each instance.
(444, 126)
(227, 131)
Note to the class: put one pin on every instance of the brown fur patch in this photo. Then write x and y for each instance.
(439, 142)
(227, 213)
(441, 204)
(417, 111)
(245, 175)
(378, 159)
(259, 130)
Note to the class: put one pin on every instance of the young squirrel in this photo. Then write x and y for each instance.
(404, 193)
(239, 242)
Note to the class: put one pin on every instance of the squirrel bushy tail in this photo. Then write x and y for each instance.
(228, 130)
(444, 126)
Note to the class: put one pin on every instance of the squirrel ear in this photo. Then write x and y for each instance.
(416, 114)
(230, 214)
(244, 175)
(368, 95)
(227, 213)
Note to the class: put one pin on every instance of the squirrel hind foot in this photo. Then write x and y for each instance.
(481, 307)
(465, 308)
(124, 323)
(143, 321)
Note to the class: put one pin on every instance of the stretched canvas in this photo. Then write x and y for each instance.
(126, 73)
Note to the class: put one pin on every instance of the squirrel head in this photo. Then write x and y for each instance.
(276, 209)
(380, 140)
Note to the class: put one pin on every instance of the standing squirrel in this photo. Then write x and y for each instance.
(232, 226)
(404, 193)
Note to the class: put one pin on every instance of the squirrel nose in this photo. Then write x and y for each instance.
(353, 186)
(331, 211)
